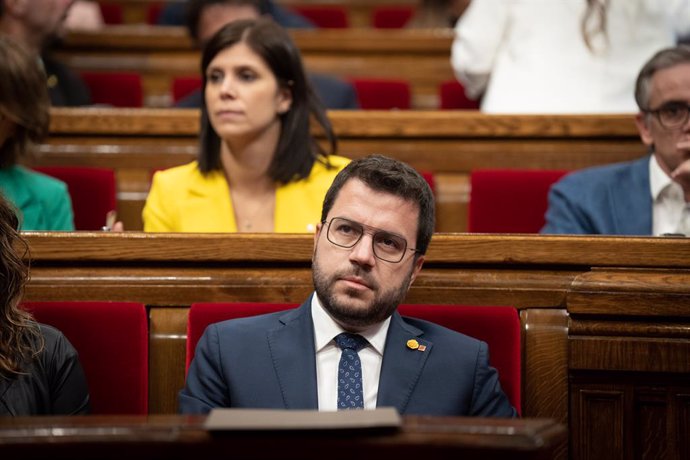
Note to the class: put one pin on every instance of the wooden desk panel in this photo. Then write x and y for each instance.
(182, 437)
(449, 144)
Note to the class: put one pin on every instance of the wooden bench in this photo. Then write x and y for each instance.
(159, 54)
(605, 320)
(448, 143)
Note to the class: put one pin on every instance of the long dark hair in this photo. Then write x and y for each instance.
(20, 338)
(297, 149)
(23, 100)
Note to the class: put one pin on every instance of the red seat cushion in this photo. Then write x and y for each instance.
(112, 341)
(119, 89)
(452, 96)
(325, 17)
(184, 86)
(92, 190)
(509, 201)
(391, 17)
(382, 94)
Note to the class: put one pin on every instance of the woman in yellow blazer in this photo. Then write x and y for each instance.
(259, 168)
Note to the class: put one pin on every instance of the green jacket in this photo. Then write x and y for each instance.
(43, 202)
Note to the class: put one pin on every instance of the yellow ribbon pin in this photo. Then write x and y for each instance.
(412, 344)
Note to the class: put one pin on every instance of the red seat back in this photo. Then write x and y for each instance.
(183, 86)
(325, 17)
(92, 190)
(112, 341)
(119, 89)
(391, 16)
(497, 326)
(452, 96)
(382, 94)
(509, 201)
(112, 13)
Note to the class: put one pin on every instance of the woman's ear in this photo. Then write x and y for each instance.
(284, 99)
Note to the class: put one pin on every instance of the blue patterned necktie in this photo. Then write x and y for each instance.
(350, 392)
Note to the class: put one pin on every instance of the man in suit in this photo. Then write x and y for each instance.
(34, 24)
(649, 196)
(377, 221)
(206, 17)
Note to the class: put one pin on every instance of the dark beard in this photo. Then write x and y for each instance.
(382, 307)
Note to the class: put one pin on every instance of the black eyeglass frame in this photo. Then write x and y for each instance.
(668, 105)
(373, 231)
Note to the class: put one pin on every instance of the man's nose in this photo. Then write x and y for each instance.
(362, 253)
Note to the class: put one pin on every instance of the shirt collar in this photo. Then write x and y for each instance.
(659, 181)
(325, 329)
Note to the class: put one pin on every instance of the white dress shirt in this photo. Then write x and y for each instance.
(668, 200)
(528, 56)
(328, 357)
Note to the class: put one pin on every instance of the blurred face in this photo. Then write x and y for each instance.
(242, 94)
(45, 17)
(214, 17)
(356, 287)
(671, 145)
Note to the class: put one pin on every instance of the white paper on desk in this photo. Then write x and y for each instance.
(270, 419)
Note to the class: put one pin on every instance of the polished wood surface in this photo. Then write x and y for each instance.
(160, 54)
(181, 437)
(450, 144)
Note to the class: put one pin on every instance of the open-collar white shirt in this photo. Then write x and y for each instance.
(668, 200)
(328, 357)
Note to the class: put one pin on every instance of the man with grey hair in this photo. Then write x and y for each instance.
(649, 196)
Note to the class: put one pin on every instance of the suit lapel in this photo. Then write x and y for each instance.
(401, 365)
(293, 353)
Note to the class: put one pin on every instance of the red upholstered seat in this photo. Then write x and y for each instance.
(382, 94)
(92, 190)
(452, 96)
(112, 341)
(153, 12)
(112, 13)
(509, 201)
(119, 89)
(497, 326)
(391, 16)
(183, 86)
(325, 17)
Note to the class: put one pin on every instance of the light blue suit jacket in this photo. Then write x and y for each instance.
(269, 361)
(608, 200)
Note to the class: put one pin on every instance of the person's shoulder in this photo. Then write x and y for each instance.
(42, 186)
(177, 174)
(599, 175)
(435, 332)
(54, 342)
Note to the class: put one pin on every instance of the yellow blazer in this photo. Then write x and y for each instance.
(184, 200)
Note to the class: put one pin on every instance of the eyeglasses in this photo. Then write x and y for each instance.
(387, 246)
(672, 114)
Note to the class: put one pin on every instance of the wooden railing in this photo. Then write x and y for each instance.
(605, 320)
(449, 144)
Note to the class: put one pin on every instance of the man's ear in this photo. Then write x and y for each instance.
(415, 270)
(642, 122)
(317, 233)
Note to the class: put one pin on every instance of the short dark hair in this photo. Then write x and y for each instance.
(297, 149)
(387, 175)
(24, 100)
(668, 57)
(196, 7)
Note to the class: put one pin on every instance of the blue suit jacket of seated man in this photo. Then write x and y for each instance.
(336, 94)
(269, 362)
(605, 200)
